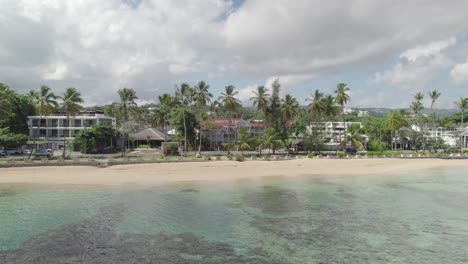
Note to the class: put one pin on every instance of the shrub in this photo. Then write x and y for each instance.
(239, 158)
(340, 155)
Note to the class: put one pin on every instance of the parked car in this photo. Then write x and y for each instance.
(13, 151)
(43, 153)
(2, 154)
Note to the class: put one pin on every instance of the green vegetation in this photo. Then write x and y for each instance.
(191, 110)
(95, 138)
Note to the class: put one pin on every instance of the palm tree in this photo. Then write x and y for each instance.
(165, 102)
(261, 99)
(270, 139)
(315, 106)
(354, 137)
(289, 107)
(44, 102)
(462, 104)
(201, 97)
(434, 95)
(229, 100)
(394, 121)
(342, 98)
(418, 96)
(127, 100)
(329, 107)
(184, 98)
(71, 103)
(201, 94)
(215, 108)
(416, 107)
(244, 140)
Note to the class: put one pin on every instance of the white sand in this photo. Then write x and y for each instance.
(164, 173)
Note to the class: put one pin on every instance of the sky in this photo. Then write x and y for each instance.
(385, 51)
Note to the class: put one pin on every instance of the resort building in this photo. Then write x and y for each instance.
(58, 126)
(464, 140)
(434, 130)
(331, 129)
(224, 130)
(151, 137)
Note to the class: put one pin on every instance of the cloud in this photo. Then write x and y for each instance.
(417, 66)
(459, 73)
(428, 50)
(288, 82)
(102, 46)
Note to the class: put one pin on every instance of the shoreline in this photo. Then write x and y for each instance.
(217, 171)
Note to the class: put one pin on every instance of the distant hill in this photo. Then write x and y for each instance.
(374, 111)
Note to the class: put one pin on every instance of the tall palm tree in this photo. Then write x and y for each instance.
(434, 95)
(71, 103)
(201, 94)
(215, 108)
(165, 102)
(289, 107)
(462, 104)
(261, 99)
(44, 102)
(418, 96)
(127, 101)
(329, 107)
(184, 99)
(229, 100)
(315, 106)
(201, 97)
(416, 107)
(341, 98)
(394, 121)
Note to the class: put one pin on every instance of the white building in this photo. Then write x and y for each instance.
(431, 130)
(57, 126)
(331, 129)
(357, 112)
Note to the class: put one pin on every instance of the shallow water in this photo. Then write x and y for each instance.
(393, 219)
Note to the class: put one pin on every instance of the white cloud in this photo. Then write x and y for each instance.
(428, 50)
(417, 66)
(56, 72)
(245, 93)
(287, 83)
(459, 73)
(101, 46)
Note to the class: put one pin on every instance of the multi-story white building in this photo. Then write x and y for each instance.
(58, 126)
(331, 129)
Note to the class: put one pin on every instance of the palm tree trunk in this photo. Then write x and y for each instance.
(185, 133)
(462, 117)
(164, 127)
(200, 135)
(462, 143)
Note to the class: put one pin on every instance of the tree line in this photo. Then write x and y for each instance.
(190, 106)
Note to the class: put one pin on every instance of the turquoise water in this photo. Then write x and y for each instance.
(393, 219)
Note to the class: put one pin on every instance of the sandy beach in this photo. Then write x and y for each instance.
(164, 173)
